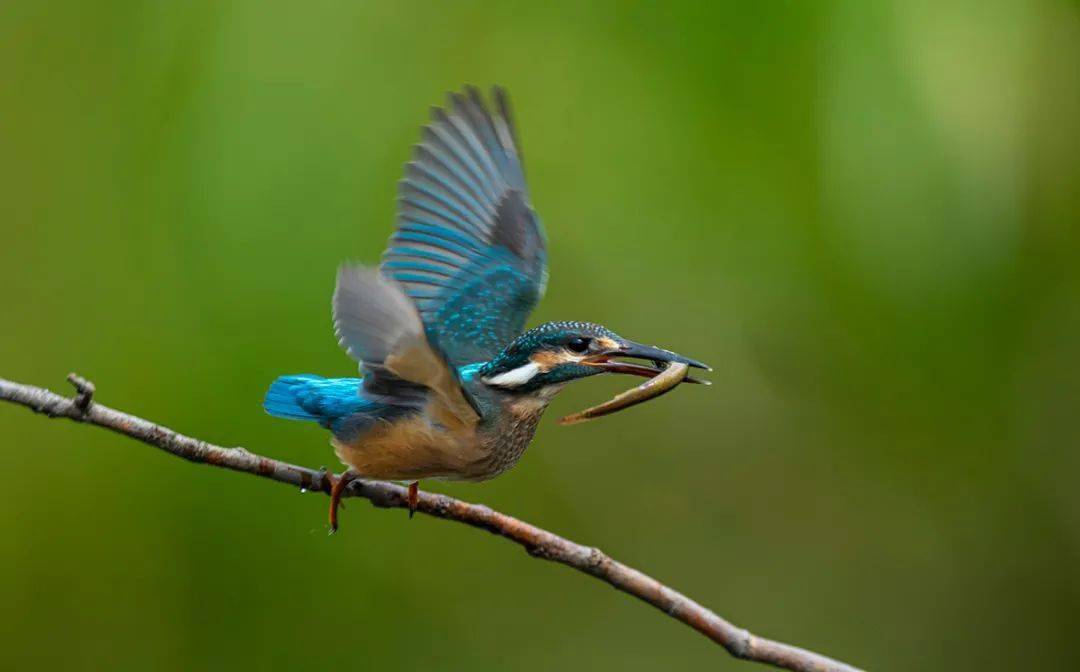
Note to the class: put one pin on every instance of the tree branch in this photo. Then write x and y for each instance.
(537, 542)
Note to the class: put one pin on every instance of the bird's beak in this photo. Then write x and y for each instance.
(658, 356)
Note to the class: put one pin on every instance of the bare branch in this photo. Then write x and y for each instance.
(537, 542)
(85, 391)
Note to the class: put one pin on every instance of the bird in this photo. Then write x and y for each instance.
(452, 386)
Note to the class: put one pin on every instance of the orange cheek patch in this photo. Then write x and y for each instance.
(546, 360)
(607, 343)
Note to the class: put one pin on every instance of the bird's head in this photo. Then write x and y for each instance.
(552, 354)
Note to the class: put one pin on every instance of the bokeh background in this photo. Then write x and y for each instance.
(863, 214)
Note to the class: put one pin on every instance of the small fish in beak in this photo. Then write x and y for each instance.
(663, 381)
(668, 370)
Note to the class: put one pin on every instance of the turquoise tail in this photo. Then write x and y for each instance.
(310, 397)
(283, 399)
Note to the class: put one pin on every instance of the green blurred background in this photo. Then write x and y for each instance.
(863, 214)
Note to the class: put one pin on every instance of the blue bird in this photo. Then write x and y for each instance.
(451, 387)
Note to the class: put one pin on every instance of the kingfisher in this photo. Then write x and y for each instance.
(452, 386)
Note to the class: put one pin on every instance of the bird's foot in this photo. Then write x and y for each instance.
(336, 491)
(414, 497)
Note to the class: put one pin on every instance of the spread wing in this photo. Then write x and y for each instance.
(469, 250)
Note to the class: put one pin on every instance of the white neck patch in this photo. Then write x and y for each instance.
(515, 377)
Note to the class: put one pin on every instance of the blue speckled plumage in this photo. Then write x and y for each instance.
(450, 386)
(469, 249)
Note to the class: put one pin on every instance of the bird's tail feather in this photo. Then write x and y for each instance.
(289, 397)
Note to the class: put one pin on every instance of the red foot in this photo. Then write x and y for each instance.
(338, 489)
(414, 497)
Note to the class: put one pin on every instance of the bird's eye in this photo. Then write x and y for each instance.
(578, 344)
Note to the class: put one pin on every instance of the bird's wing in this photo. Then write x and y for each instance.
(379, 326)
(468, 250)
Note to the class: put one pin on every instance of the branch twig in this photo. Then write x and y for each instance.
(537, 542)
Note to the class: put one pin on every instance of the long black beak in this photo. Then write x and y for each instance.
(658, 356)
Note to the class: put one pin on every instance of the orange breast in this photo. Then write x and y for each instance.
(436, 444)
(413, 449)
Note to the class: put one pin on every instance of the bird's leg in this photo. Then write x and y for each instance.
(414, 497)
(336, 491)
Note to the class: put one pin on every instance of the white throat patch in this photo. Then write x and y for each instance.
(515, 377)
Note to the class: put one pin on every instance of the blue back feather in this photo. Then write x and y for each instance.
(342, 404)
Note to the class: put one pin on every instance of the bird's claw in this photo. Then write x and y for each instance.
(337, 490)
(413, 497)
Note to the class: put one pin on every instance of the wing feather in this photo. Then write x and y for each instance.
(380, 327)
(464, 268)
(469, 250)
